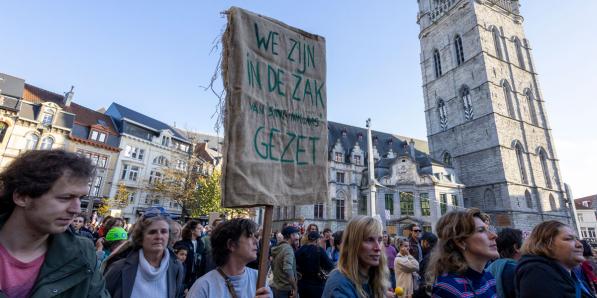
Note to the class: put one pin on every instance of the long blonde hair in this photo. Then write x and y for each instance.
(356, 231)
(452, 228)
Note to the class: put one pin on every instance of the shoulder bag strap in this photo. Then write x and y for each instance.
(228, 283)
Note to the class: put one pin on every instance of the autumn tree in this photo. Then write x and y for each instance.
(209, 197)
(179, 185)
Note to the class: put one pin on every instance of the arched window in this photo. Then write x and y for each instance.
(520, 159)
(528, 199)
(527, 48)
(32, 140)
(532, 113)
(160, 160)
(447, 158)
(443, 116)
(459, 51)
(465, 93)
(437, 63)
(3, 129)
(552, 203)
(497, 42)
(519, 54)
(489, 198)
(544, 167)
(47, 143)
(508, 99)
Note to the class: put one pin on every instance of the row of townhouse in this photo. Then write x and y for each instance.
(127, 147)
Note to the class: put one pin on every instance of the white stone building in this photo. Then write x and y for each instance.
(485, 111)
(148, 148)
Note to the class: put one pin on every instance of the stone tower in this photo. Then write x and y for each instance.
(485, 112)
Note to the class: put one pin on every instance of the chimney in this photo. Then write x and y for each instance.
(68, 96)
(411, 144)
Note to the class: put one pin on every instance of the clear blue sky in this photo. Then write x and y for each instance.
(155, 56)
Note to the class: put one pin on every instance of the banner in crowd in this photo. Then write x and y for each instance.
(275, 118)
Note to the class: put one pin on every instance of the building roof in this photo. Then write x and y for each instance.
(214, 142)
(35, 94)
(581, 207)
(87, 117)
(156, 125)
(592, 200)
(384, 142)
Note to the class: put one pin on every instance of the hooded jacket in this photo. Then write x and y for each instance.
(283, 261)
(70, 268)
(538, 276)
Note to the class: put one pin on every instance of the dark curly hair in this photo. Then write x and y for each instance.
(34, 173)
(508, 241)
(187, 230)
(229, 230)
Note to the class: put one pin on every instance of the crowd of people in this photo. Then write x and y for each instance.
(48, 248)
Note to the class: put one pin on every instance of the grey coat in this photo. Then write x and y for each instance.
(120, 277)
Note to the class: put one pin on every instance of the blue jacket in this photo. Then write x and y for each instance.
(339, 286)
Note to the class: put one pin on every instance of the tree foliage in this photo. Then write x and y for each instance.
(209, 197)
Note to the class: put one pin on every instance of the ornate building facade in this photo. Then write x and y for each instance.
(414, 188)
(485, 112)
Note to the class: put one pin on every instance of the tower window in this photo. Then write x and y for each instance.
(518, 46)
(437, 64)
(508, 98)
(447, 158)
(443, 116)
(531, 104)
(496, 42)
(520, 159)
(465, 93)
(459, 51)
(529, 200)
(552, 203)
(544, 168)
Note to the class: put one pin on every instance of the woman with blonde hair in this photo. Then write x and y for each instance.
(457, 265)
(362, 268)
(547, 267)
(405, 266)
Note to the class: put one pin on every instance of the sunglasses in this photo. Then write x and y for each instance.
(417, 231)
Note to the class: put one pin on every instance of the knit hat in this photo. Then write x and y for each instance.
(116, 233)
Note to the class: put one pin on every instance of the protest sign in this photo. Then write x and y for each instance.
(275, 117)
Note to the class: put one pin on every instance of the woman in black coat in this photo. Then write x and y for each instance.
(195, 262)
(547, 268)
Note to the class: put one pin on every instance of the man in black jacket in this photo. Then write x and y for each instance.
(195, 262)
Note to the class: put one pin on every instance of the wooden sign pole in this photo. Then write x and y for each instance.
(264, 251)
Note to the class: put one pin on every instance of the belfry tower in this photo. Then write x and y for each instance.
(485, 112)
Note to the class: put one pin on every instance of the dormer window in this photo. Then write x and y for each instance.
(338, 157)
(47, 119)
(98, 136)
(165, 141)
(357, 159)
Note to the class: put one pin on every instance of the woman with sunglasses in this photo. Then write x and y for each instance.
(150, 269)
(457, 265)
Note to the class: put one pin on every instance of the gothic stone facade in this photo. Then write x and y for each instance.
(485, 112)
